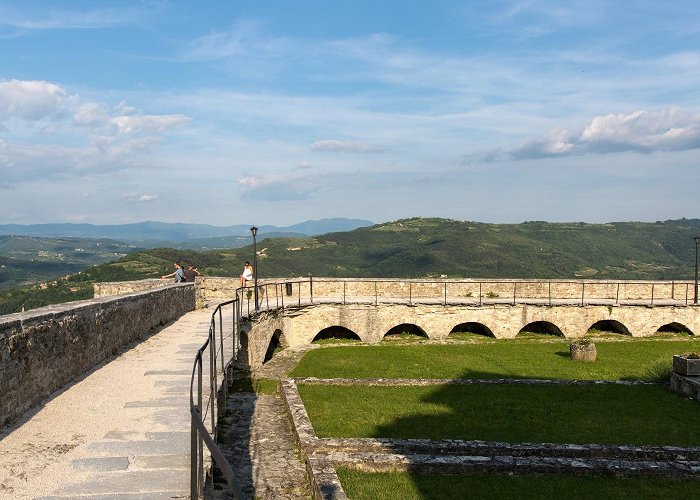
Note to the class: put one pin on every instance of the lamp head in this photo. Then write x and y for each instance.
(697, 239)
(254, 230)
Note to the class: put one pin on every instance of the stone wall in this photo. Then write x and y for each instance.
(217, 289)
(44, 349)
(121, 287)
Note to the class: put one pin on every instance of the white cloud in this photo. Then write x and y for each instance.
(140, 197)
(669, 129)
(31, 100)
(48, 132)
(335, 146)
(277, 187)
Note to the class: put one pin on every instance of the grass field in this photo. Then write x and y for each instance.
(583, 414)
(626, 359)
(409, 486)
(603, 414)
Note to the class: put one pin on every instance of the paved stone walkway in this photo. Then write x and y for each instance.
(121, 431)
(257, 438)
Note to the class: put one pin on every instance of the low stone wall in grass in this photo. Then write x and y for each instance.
(44, 349)
(453, 456)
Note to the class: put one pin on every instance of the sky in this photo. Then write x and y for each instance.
(278, 112)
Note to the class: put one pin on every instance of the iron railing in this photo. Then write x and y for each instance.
(218, 365)
(280, 294)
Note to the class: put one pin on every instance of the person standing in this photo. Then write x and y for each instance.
(178, 273)
(191, 273)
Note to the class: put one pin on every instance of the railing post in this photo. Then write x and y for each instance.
(515, 284)
(311, 288)
(375, 293)
(445, 293)
(200, 444)
(410, 297)
(583, 292)
(212, 379)
(344, 285)
(617, 296)
(479, 292)
(277, 295)
(299, 292)
(550, 292)
(194, 479)
(652, 294)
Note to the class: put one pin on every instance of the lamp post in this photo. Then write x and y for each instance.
(254, 231)
(697, 241)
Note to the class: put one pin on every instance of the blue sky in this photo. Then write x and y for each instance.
(278, 112)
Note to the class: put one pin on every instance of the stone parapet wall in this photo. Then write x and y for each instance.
(212, 289)
(123, 287)
(44, 349)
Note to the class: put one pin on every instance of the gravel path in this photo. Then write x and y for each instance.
(120, 430)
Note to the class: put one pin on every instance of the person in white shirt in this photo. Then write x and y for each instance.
(247, 273)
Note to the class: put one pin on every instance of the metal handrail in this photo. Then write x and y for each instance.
(199, 434)
(512, 295)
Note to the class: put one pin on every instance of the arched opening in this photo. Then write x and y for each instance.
(540, 328)
(277, 343)
(608, 326)
(466, 330)
(405, 331)
(333, 333)
(674, 329)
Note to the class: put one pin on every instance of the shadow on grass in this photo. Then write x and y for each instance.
(534, 413)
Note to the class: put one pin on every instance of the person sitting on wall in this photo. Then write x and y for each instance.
(178, 273)
(247, 273)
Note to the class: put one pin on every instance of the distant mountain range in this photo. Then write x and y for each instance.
(152, 234)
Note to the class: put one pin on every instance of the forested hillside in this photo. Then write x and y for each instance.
(419, 248)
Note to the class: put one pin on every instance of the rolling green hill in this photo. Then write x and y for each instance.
(436, 247)
(421, 248)
(25, 260)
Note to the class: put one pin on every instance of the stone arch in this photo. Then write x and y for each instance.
(336, 332)
(610, 326)
(408, 328)
(473, 327)
(542, 328)
(277, 341)
(674, 327)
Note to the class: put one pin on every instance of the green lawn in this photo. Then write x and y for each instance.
(603, 414)
(407, 486)
(633, 359)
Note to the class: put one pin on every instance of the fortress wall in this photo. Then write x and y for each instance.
(224, 288)
(44, 349)
(122, 287)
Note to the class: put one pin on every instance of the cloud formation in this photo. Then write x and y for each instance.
(669, 129)
(38, 119)
(335, 146)
(140, 197)
(277, 188)
(31, 100)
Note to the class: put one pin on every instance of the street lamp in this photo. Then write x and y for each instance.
(254, 231)
(697, 241)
